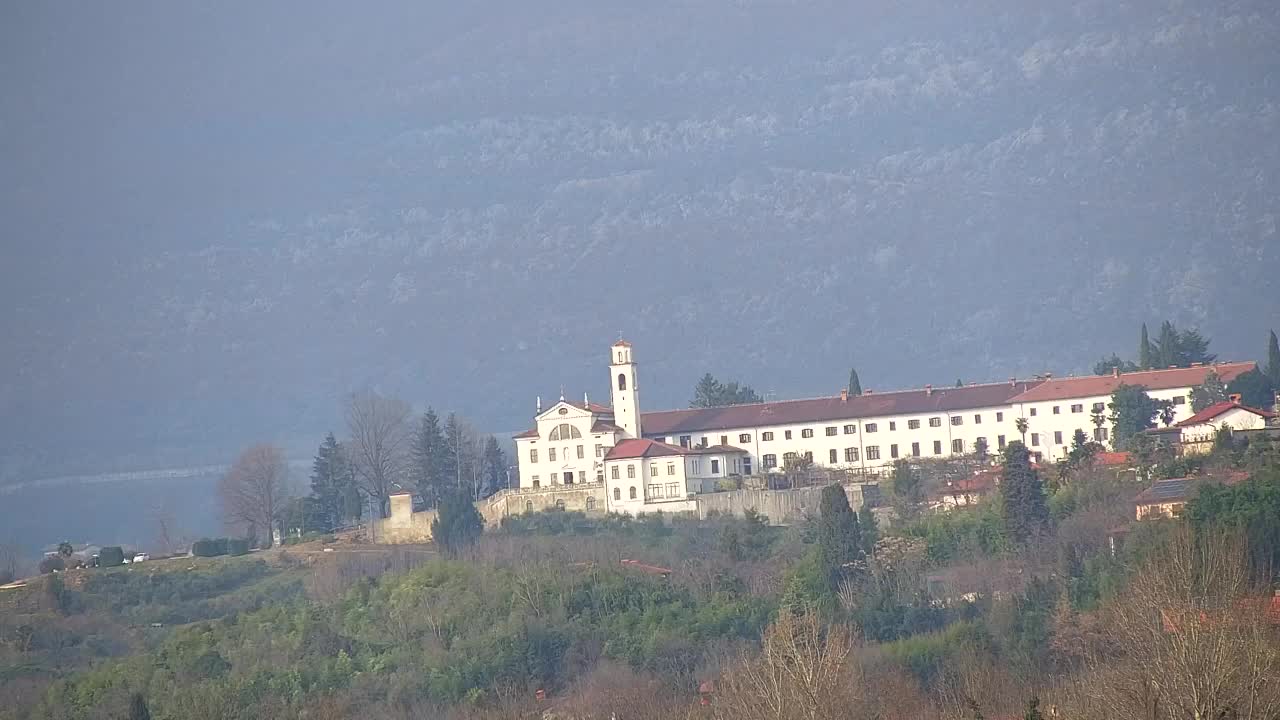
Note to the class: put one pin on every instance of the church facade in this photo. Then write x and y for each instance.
(657, 461)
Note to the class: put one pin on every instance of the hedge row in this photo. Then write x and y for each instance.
(215, 547)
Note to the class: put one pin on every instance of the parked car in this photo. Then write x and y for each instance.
(141, 557)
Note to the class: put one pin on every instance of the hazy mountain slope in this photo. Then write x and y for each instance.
(465, 206)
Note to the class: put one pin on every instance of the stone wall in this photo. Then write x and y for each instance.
(780, 506)
(403, 525)
(589, 498)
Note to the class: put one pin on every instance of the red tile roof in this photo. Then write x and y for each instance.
(787, 412)
(603, 426)
(1111, 459)
(633, 448)
(622, 343)
(1217, 409)
(1098, 385)
(527, 434)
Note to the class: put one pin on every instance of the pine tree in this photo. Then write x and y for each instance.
(495, 467)
(839, 538)
(1026, 514)
(457, 524)
(328, 474)
(855, 385)
(427, 455)
(1144, 350)
(138, 707)
(1273, 361)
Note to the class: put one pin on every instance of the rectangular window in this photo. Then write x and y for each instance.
(599, 451)
(979, 442)
(766, 436)
(653, 492)
(580, 455)
(685, 440)
(1099, 407)
(537, 481)
(1057, 437)
(851, 454)
(744, 438)
(631, 472)
(913, 424)
(715, 466)
(915, 449)
(977, 419)
(1179, 400)
(582, 476)
(746, 465)
(850, 429)
(1057, 410)
(1033, 412)
(1035, 439)
(999, 417)
(786, 434)
(673, 490)
(613, 472)
(533, 455)
(832, 430)
(653, 469)
(893, 425)
(600, 476)
(724, 439)
(671, 468)
(870, 427)
(957, 446)
(551, 454)
(893, 451)
(806, 433)
(1000, 442)
(833, 456)
(808, 455)
(704, 441)
(769, 461)
(937, 447)
(1100, 434)
(1077, 408)
(873, 452)
(957, 420)
(697, 466)
(935, 422)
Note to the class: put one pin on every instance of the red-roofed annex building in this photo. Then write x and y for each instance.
(657, 460)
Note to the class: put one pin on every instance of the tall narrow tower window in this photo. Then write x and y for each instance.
(622, 381)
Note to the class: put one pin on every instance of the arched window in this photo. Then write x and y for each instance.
(591, 503)
(564, 431)
(528, 506)
(560, 504)
(633, 492)
(622, 381)
(617, 493)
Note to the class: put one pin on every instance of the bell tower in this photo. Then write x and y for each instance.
(623, 390)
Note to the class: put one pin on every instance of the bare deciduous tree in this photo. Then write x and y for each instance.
(255, 489)
(379, 446)
(804, 672)
(1193, 638)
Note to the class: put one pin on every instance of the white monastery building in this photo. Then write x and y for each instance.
(650, 461)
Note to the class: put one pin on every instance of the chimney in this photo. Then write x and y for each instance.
(585, 400)
(867, 392)
(1115, 371)
(539, 405)
(928, 390)
(1013, 382)
(1234, 398)
(844, 395)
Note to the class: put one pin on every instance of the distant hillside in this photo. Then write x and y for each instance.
(466, 206)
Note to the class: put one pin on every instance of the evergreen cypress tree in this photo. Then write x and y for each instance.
(1132, 411)
(1273, 361)
(855, 385)
(1026, 514)
(327, 479)
(1144, 350)
(138, 707)
(457, 524)
(452, 455)
(839, 537)
(428, 457)
(1167, 346)
(868, 528)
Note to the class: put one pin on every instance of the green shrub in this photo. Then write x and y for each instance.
(209, 547)
(111, 556)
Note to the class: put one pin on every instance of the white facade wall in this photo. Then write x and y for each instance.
(1235, 418)
(857, 433)
(648, 485)
(1044, 425)
(537, 466)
